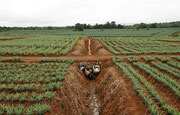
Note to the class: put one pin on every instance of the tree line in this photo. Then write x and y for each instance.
(107, 25)
(113, 25)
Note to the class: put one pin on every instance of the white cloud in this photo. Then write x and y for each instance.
(69, 12)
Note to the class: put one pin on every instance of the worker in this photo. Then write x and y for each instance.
(96, 69)
(82, 66)
(88, 71)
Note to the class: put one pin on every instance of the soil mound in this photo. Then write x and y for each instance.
(73, 98)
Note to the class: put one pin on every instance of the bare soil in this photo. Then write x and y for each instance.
(176, 34)
(117, 94)
(73, 98)
(98, 49)
(80, 58)
(112, 88)
(80, 48)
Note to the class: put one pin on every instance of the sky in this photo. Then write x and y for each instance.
(69, 12)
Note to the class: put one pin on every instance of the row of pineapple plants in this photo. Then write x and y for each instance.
(136, 80)
(28, 86)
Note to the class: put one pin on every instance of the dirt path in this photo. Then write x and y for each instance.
(3, 40)
(80, 58)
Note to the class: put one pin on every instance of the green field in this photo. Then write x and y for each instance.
(121, 45)
(39, 72)
(42, 45)
(97, 32)
(29, 86)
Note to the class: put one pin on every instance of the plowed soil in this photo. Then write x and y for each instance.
(98, 49)
(117, 94)
(80, 48)
(73, 98)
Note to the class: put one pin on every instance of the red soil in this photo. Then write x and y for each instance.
(98, 49)
(176, 34)
(80, 48)
(1, 40)
(117, 94)
(73, 98)
(80, 58)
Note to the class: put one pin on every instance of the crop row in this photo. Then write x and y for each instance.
(11, 59)
(164, 79)
(24, 80)
(176, 57)
(148, 58)
(132, 59)
(139, 46)
(167, 68)
(32, 73)
(22, 97)
(30, 87)
(31, 83)
(162, 58)
(43, 45)
(175, 64)
(138, 89)
(134, 76)
(38, 109)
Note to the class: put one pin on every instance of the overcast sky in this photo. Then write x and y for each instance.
(69, 12)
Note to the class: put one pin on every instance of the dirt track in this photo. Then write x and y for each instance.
(2, 40)
(80, 58)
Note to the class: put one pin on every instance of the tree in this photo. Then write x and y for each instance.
(113, 24)
(154, 25)
(79, 27)
(142, 25)
(107, 25)
(119, 26)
